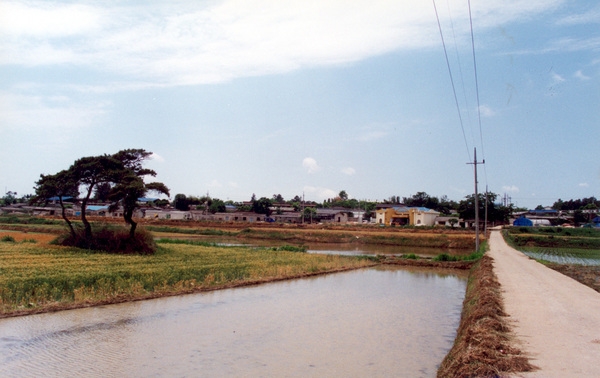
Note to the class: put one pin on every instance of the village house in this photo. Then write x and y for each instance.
(404, 215)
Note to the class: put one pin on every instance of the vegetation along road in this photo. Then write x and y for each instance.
(555, 318)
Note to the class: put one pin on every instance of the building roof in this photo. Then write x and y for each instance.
(405, 209)
(97, 207)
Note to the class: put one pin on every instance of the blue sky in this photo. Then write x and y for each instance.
(289, 97)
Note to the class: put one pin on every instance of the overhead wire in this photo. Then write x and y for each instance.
(460, 71)
(464, 90)
(477, 88)
(452, 81)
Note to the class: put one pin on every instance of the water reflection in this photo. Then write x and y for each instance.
(371, 322)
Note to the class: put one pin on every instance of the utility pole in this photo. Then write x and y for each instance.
(475, 162)
(302, 207)
(486, 207)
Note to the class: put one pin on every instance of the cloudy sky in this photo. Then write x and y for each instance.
(288, 97)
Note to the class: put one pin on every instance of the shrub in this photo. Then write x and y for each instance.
(8, 238)
(290, 248)
(112, 239)
(444, 257)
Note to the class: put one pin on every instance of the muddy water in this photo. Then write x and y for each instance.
(370, 322)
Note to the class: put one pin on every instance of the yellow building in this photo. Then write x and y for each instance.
(402, 215)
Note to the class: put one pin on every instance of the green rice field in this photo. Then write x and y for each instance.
(557, 244)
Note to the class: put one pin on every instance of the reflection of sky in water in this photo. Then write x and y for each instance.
(372, 322)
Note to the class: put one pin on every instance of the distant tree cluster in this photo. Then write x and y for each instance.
(205, 203)
(583, 209)
(578, 204)
(422, 199)
(10, 198)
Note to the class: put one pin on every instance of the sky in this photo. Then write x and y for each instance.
(309, 97)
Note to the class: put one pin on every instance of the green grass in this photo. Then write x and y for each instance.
(27, 219)
(190, 231)
(289, 248)
(34, 276)
(446, 257)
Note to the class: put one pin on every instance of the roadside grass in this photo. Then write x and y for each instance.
(35, 278)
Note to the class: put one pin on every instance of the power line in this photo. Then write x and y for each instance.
(477, 87)
(451, 80)
(460, 71)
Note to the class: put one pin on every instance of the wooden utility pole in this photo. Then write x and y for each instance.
(486, 208)
(475, 162)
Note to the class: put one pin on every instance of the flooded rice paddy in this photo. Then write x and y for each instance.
(383, 321)
(564, 255)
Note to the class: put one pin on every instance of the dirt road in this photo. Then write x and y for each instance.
(556, 319)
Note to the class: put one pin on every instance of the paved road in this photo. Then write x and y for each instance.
(556, 319)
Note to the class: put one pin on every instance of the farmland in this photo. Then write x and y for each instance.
(36, 276)
(557, 244)
(573, 252)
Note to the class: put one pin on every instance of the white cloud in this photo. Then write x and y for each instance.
(348, 171)
(206, 42)
(320, 193)
(580, 75)
(310, 165)
(215, 184)
(584, 185)
(486, 111)
(37, 112)
(157, 157)
(591, 16)
(47, 20)
(556, 78)
(510, 188)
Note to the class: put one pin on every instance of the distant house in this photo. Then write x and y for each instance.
(97, 210)
(168, 214)
(287, 217)
(448, 222)
(404, 215)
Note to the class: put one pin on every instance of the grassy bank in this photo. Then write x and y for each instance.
(483, 343)
(37, 277)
